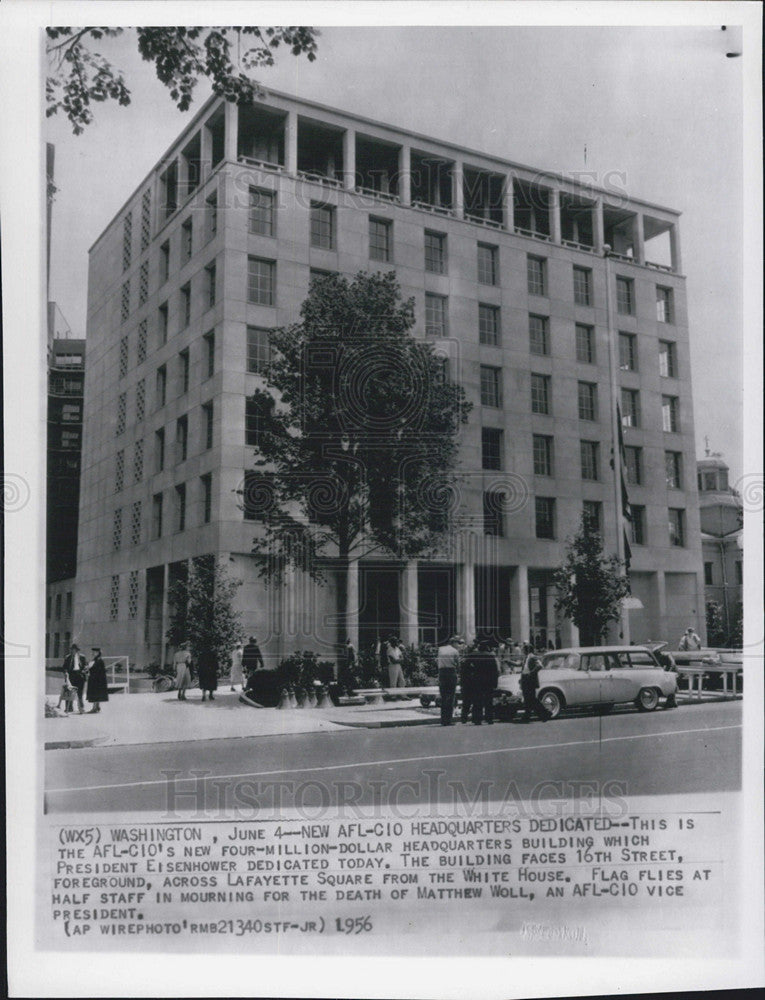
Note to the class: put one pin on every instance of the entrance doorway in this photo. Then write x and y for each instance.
(436, 603)
(492, 602)
(379, 616)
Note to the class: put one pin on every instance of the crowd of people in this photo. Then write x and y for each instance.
(83, 681)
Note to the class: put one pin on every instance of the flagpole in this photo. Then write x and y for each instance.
(616, 461)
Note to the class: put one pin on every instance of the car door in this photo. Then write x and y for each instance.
(562, 671)
(646, 672)
(625, 681)
(596, 687)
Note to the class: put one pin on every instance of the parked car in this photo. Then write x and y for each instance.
(601, 676)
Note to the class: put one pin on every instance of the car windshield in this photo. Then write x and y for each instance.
(561, 661)
(641, 658)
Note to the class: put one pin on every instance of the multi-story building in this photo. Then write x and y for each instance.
(506, 265)
(722, 536)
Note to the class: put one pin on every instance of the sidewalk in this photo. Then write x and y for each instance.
(131, 719)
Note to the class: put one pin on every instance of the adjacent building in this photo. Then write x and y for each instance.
(506, 264)
(722, 536)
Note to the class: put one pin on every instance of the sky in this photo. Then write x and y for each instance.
(659, 106)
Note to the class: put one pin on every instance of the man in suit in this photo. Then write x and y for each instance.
(75, 668)
(252, 658)
(448, 666)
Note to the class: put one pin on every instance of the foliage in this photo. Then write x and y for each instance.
(736, 638)
(590, 585)
(418, 664)
(203, 611)
(81, 77)
(716, 631)
(302, 668)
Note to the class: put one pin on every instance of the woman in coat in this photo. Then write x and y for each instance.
(237, 675)
(207, 668)
(97, 690)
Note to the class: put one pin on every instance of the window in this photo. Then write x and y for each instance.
(322, 226)
(206, 482)
(159, 450)
(258, 349)
(183, 370)
(114, 598)
(491, 386)
(588, 400)
(625, 300)
(211, 205)
(125, 301)
(582, 286)
(210, 277)
(540, 393)
(536, 274)
(163, 323)
(435, 315)
(634, 465)
(592, 515)
(664, 304)
(435, 252)
(708, 577)
(207, 418)
(145, 219)
(71, 413)
(68, 611)
(119, 471)
(628, 352)
(630, 408)
(260, 281)
(180, 507)
(138, 461)
(487, 264)
(161, 385)
(544, 515)
(676, 527)
(380, 242)
(123, 357)
(494, 513)
(70, 439)
(121, 413)
(142, 338)
(669, 414)
(117, 529)
(56, 644)
(209, 359)
(143, 283)
(491, 448)
(637, 524)
(588, 451)
(181, 439)
(140, 399)
(133, 594)
(262, 212)
(164, 262)
(538, 339)
(169, 187)
(127, 240)
(186, 235)
(253, 423)
(667, 359)
(48, 601)
(185, 305)
(135, 523)
(489, 325)
(739, 573)
(58, 606)
(673, 466)
(253, 501)
(543, 455)
(585, 344)
(156, 515)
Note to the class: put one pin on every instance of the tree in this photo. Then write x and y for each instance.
(590, 585)
(357, 435)
(716, 631)
(203, 610)
(81, 77)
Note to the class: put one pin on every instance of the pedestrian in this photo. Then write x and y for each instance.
(237, 674)
(468, 686)
(395, 655)
(689, 641)
(448, 659)
(74, 670)
(252, 658)
(207, 669)
(529, 688)
(97, 690)
(182, 668)
(516, 656)
(486, 677)
(347, 667)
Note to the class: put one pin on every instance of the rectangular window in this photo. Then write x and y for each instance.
(210, 278)
(494, 513)
(664, 304)
(435, 252)
(587, 400)
(582, 286)
(628, 352)
(163, 323)
(68, 611)
(258, 349)
(142, 339)
(630, 408)
(667, 359)
(540, 393)
(125, 301)
(260, 281)
(487, 264)
(161, 385)
(207, 418)
(114, 598)
(543, 455)
(138, 461)
(676, 523)
(491, 448)
(48, 607)
(206, 482)
(156, 515)
(123, 357)
(670, 420)
(133, 588)
(143, 283)
(135, 523)
(186, 241)
(58, 606)
(211, 204)
(57, 643)
(538, 339)
(536, 271)
(435, 315)
(739, 574)
(119, 471)
(322, 226)
(625, 300)
(380, 242)
(708, 577)
(159, 450)
(209, 357)
(585, 344)
(634, 465)
(488, 325)
(262, 216)
(185, 305)
(121, 413)
(588, 451)
(544, 511)
(592, 515)
(183, 370)
(164, 262)
(491, 386)
(253, 423)
(181, 439)
(127, 240)
(253, 510)
(674, 469)
(637, 524)
(169, 186)
(145, 219)
(180, 507)
(140, 399)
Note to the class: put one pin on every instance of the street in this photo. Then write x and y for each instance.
(695, 748)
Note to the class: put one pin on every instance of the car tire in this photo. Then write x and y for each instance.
(553, 701)
(647, 700)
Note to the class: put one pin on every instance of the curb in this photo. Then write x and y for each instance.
(78, 744)
(389, 723)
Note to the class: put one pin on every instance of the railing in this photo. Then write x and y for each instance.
(249, 161)
(388, 196)
(577, 246)
(622, 256)
(490, 223)
(532, 234)
(659, 267)
(435, 209)
(306, 175)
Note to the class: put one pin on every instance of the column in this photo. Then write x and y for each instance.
(554, 203)
(165, 618)
(205, 154)
(597, 225)
(231, 141)
(349, 159)
(405, 175)
(290, 142)
(458, 190)
(352, 603)
(508, 204)
(409, 604)
(519, 603)
(638, 245)
(466, 600)
(674, 243)
(658, 628)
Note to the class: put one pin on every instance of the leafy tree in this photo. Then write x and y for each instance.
(358, 435)
(203, 610)
(716, 630)
(590, 585)
(736, 638)
(81, 77)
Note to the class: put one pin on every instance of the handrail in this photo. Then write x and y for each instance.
(533, 234)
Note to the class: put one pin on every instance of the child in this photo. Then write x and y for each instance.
(67, 696)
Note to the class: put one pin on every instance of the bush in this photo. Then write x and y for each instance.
(302, 668)
(155, 669)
